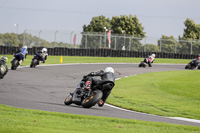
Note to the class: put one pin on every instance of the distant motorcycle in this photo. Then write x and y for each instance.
(35, 61)
(15, 62)
(193, 65)
(86, 98)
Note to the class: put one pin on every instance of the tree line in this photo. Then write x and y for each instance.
(120, 26)
(130, 25)
(12, 39)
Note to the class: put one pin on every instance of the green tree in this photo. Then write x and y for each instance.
(96, 25)
(123, 25)
(151, 48)
(9, 39)
(168, 44)
(190, 40)
(192, 30)
(129, 24)
(12, 39)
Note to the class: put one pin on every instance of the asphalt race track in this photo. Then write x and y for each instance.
(45, 88)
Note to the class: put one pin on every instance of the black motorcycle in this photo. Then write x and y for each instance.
(143, 63)
(3, 71)
(88, 98)
(35, 61)
(193, 65)
(15, 62)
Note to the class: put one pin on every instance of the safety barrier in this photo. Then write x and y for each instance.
(96, 52)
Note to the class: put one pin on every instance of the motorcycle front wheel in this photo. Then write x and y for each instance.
(33, 63)
(14, 64)
(68, 100)
(90, 101)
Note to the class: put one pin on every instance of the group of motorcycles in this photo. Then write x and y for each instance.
(15, 63)
(16, 59)
(194, 64)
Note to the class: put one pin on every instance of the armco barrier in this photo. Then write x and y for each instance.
(58, 51)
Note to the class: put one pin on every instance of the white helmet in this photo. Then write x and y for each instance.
(44, 50)
(4, 58)
(153, 55)
(109, 69)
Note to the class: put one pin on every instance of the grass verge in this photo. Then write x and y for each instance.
(19, 120)
(173, 93)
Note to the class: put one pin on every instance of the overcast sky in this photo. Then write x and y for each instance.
(158, 17)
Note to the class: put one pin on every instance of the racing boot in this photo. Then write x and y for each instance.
(101, 103)
(20, 62)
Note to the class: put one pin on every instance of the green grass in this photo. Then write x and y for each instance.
(174, 93)
(83, 59)
(16, 120)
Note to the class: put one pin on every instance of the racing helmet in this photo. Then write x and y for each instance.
(4, 58)
(44, 50)
(109, 69)
(153, 55)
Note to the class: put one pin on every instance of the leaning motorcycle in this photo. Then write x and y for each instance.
(35, 61)
(88, 98)
(143, 63)
(192, 65)
(3, 70)
(15, 62)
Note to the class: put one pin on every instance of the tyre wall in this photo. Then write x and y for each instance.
(58, 51)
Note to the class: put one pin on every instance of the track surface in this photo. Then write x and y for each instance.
(45, 88)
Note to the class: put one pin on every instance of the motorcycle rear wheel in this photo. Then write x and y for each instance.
(92, 99)
(187, 67)
(1, 75)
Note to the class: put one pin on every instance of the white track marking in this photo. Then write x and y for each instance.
(93, 63)
(115, 107)
(185, 119)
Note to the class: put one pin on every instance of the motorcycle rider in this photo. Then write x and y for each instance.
(42, 54)
(150, 59)
(107, 74)
(196, 61)
(4, 64)
(21, 53)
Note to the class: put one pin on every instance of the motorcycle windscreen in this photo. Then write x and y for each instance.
(2, 69)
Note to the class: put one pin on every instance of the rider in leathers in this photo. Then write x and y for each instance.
(21, 53)
(150, 59)
(196, 61)
(42, 55)
(107, 74)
